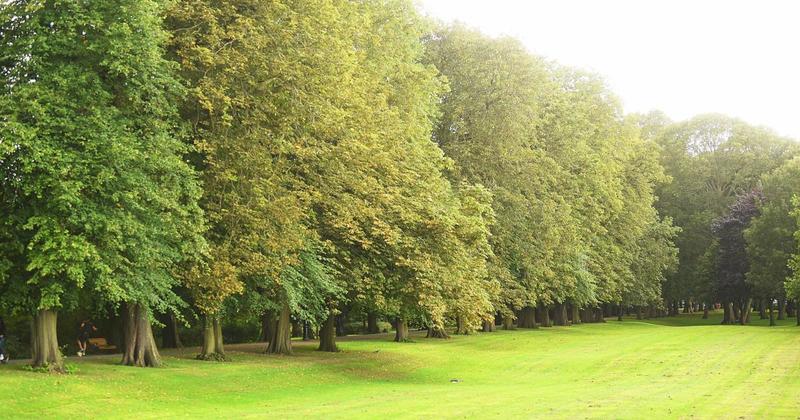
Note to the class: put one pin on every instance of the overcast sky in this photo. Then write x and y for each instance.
(740, 58)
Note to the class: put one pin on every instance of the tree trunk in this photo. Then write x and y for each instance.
(771, 315)
(170, 338)
(543, 313)
(327, 335)
(560, 314)
(268, 321)
(508, 322)
(762, 310)
(437, 332)
(599, 315)
(726, 314)
(44, 341)
(140, 346)
(372, 323)
(620, 312)
(705, 311)
(401, 333)
(576, 316)
(781, 309)
(281, 342)
(488, 325)
(587, 315)
(527, 318)
(748, 307)
(461, 326)
(737, 312)
(213, 348)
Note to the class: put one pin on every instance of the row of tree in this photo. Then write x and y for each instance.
(732, 194)
(294, 159)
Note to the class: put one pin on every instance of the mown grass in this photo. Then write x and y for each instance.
(668, 368)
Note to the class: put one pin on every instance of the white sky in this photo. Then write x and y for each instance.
(740, 58)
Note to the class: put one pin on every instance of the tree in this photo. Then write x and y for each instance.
(732, 261)
(95, 184)
(770, 244)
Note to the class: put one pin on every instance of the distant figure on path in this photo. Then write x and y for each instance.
(3, 353)
(84, 332)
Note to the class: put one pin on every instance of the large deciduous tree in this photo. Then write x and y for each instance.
(96, 194)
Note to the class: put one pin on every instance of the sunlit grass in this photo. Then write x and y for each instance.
(626, 369)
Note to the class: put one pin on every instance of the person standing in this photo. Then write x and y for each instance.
(84, 332)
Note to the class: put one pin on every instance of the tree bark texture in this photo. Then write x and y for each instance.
(268, 321)
(327, 334)
(437, 332)
(372, 323)
(543, 315)
(527, 318)
(281, 342)
(488, 325)
(140, 346)
(44, 341)
(401, 331)
(213, 348)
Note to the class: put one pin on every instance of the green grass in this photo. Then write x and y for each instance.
(675, 367)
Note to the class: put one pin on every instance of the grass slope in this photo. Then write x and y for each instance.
(667, 368)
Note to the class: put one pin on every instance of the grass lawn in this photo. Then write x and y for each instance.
(674, 367)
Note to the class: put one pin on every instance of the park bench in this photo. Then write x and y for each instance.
(101, 345)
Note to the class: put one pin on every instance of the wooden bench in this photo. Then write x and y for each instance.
(101, 344)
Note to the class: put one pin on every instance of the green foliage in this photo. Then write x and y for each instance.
(96, 193)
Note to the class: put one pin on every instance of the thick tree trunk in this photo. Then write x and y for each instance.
(170, 338)
(461, 326)
(508, 322)
(771, 314)
(213, 348)
(44, 341)
(620, 311)
(527, 318)
(748, 307)
(781, 309)
(268, 321)
(488, 325)
(372, 323)
(543, 314)
(762, 310)
(140, 346)
(560, 314)
(327, 335)
(437, 332)
(598, 312)
(401, 331)
(576, 316)
(281, 342)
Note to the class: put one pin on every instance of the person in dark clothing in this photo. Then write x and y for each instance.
(3, 353)
(84, 332)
